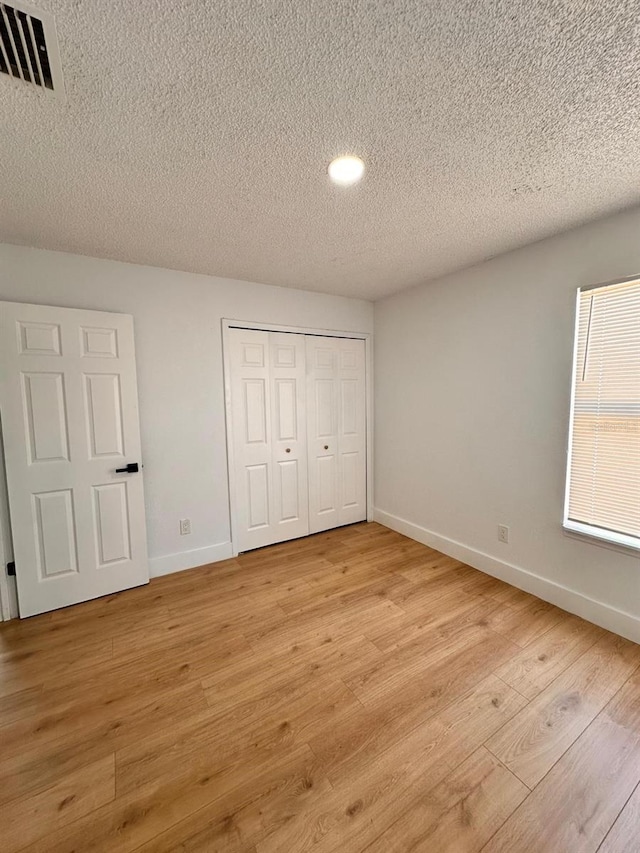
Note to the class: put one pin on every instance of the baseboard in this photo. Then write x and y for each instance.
(189, 559)
(568, 599)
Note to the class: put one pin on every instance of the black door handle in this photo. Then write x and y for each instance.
(132, 468)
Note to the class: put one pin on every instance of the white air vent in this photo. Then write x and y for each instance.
(29, 47)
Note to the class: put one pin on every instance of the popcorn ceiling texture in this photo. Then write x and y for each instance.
(196, 135)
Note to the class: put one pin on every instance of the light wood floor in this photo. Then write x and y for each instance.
(351, 691)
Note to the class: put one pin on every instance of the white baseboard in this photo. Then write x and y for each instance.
(189, 559)
(594, 611)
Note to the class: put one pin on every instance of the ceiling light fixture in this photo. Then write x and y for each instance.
(346, 171)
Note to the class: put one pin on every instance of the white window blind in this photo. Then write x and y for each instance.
(603, 479)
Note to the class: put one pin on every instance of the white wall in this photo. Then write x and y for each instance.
(472, 383)
(179, 357)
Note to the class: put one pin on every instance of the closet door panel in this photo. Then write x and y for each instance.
(326, 484)
(336, 389)
(251, 413)
(352, 430)
(289, 436)
(257, 496)
(322, 412)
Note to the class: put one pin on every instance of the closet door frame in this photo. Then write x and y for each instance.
(228, 324)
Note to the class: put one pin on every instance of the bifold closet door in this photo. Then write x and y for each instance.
(336, 411)
(267, 372)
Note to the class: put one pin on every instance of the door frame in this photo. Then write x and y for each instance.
(367, 337)
(8, 590)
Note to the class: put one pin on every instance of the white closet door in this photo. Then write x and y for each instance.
(251, 413)
(322, 411)
(69, 404)
(352, 431)
(336, 393)
(289, 436)
(269, 437)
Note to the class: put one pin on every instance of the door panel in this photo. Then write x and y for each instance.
(112, 523)
(251, 406)
(69, 402)
(349, 400)
(55, 533)
(285, 353)
(288, 493)
(99, 343)
(38, 338)
(324, 353)
(352, 426)
(104, 414)
(258, 496)
(326, 420)
(350, 480)
(322, 433)
(255, 411)
(285, 415)
(269, 436)
(326, 482)
(289, 450)
(45, 416)
(337, 432)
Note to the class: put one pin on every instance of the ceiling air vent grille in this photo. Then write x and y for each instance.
(29, 47)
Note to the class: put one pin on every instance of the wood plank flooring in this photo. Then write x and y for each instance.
(353, 691)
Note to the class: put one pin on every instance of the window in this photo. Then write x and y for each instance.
(603, 475)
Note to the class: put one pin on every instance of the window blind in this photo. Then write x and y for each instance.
(604, 456)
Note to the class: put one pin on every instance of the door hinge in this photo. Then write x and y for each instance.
(11, 569)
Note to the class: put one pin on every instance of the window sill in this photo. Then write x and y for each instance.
(607, 539)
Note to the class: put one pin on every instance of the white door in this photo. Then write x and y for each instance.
(289, 436)
(68, 397)
(267, 388)
(336, 393)
(322, 433)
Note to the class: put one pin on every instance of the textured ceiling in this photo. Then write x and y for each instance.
(196, 135)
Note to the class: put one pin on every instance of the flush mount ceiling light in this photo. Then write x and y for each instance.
(346, 171)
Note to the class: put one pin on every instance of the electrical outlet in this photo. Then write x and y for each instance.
(503, 533)
(185, 526)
